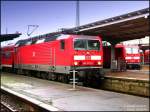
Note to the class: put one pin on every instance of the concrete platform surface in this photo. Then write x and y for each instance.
(145, 67)
(83, 99)
(129, 74)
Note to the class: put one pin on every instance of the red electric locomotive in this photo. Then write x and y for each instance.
(133, 57)
(60, 53)
(125, 52)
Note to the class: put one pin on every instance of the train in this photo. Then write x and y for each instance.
(7, 56)
(56, 55)
(129, 53)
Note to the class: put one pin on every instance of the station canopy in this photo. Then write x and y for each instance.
(134, 25)
(5, 37)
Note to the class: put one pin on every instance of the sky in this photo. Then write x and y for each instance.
(54, 15)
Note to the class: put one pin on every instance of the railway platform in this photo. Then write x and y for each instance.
(130, 74)
(131, 81)
(61, 97)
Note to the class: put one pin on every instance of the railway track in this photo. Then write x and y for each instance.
(12, 101)
(9, 103)
(6, 108)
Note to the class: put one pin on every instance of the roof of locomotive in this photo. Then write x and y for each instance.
(8, 46)
(47, 38)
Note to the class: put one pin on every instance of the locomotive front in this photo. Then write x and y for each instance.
(133, 57)
(87, 53)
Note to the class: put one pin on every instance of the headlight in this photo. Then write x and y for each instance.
(75, 63)
(99, 63)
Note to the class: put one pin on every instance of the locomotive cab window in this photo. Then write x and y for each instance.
(93, 45)
(128, 50)
(62, 44)
(132, 50)
(80, 44)
(84, 44)
(135, 50)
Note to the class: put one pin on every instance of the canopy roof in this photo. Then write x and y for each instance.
(5, 37)
(125, 27)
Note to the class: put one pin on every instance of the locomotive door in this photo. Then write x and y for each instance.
(15, 58)
(52, 59)
(18, 58)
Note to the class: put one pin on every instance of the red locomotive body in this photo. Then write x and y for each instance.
(60, 54)
(7, 56)
(128, 53)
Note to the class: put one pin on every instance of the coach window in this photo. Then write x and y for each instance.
(62, 44)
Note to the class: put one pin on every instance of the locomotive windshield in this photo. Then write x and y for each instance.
(132, 50)
(83, 44)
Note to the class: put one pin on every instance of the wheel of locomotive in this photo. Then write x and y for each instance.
(25, 72)
(59, 77)
(54, 77)
(49, 76)
(15, 70)
(19, 71)
(38, 74)
(130, 66)
(30, 72)
(43, 75)
(34, 73)
(81, 76)
(65, 78)
(85, 78)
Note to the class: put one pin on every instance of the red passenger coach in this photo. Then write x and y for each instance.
(7, 56)
(147, 57)
(60, 53)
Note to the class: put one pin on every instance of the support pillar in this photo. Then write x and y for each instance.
(143, 62)
(0, 58)
(113, 61)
